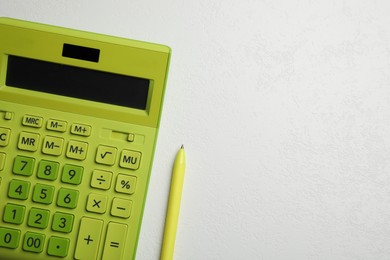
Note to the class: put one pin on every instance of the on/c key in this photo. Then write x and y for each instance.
(89, 238)
(115, 241)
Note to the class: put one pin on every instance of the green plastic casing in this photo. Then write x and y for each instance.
(118, 127)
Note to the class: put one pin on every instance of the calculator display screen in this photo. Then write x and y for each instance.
(77, 82)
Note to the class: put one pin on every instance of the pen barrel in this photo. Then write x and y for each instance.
(173, 209)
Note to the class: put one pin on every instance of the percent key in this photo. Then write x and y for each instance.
(126, 184)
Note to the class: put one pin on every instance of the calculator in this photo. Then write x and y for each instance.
(79, 118)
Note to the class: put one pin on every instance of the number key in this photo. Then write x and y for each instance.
(67, 198)
(23, 165)
(14, 214)
(9, 237)
(43, 194)
(48, 170)
(18, 189)
(38, 218)
(72, 174)
(62, 222)
(33, 242)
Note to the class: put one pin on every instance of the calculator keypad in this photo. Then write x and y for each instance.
(47, 174)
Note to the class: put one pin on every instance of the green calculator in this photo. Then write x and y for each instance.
(79, 118)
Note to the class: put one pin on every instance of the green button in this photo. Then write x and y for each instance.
(9, 237)
(18, 189)
(72, 174)
(67, 198)
(24, 165)
(62, 222)
(38, 218)
(58, 246)
(43, 194)
(33, 242)
(48, 170)
(14, 214)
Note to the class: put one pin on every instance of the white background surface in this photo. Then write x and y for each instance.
(283, 108)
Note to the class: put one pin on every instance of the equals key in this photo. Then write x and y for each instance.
(116, 236)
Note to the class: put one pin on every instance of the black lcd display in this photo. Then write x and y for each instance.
(80, 52)
(77, 82)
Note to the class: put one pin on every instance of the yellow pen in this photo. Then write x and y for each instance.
(173, 210)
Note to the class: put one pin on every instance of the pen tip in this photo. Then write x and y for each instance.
(182, 146)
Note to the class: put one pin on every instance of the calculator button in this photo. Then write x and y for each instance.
(48, 170)
(28, 141)
(106, 155)
(67, 198)
(23, 165)
(80, 129)
(88, 239)
(58, 246)
(5, 134)
(43, 194)
(56, 125)
(77, 150)
(9, 237)
(32, 121)
(130, 137)
(38, 218)
(125, 184)
(33, 242)
(53, 145)
(72, 174)
(96, 203)
(62, 222)
(3, 156)
(8, 115)
(115, 241)
(121, 208)
(18, 189)
(101, 179)
(14, 214)
(130, 159)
